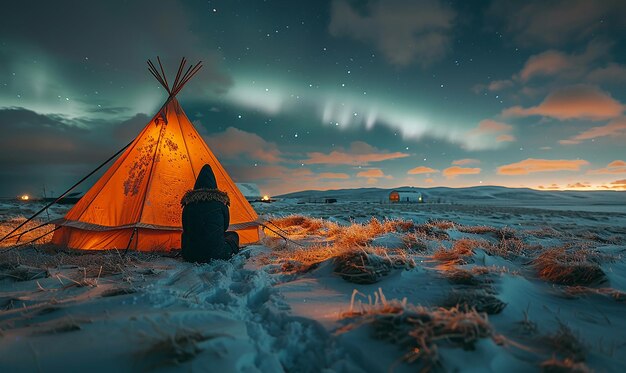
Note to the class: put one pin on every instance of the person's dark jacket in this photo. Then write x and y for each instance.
(205, 221)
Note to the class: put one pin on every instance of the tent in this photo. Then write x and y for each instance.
(136, 203)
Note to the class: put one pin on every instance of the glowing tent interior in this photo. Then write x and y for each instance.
(136, 203)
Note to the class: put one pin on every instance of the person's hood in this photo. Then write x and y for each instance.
(206, 179)
(204, 195)
(205, 189)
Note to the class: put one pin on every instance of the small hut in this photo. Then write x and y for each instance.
(399, 196)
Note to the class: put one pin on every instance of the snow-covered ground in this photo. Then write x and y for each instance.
(358, 286)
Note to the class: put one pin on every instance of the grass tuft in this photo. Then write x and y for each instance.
(422, 331)
(565, 267)
(478, 300)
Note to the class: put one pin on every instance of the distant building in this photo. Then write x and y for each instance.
(399, 196)
(330, 200)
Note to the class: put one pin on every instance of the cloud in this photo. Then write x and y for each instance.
(612, 73)
(550, 187)
(41, 139)
(429, 181)
(615, 167)
(557, 22)
(505, 138)
(403, 31)
(498, 85)
(373, 173)
(485, 133)
(579, 185)
(452, 172)
(531, 165)
(360, 153)
(563, 65)
(422, 170)
(614, 129)
(465, 161)
(233, 143)
(618, 184)
(574, 102)
(333, 175)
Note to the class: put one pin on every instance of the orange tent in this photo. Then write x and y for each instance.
(136, 203)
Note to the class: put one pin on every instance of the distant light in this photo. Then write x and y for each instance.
(25, 197)
(265, 198)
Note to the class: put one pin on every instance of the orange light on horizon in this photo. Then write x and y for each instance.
(25, 197)
(265, 198)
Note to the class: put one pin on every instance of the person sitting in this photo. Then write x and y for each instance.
(205, 220)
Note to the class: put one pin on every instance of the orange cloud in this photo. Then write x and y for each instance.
(617, 163)
(429, 180)
(422, 170)
(615, 167)
(575, 102)
(486, 132)
(579, 185)
(373, 173)
(234, 142)
(546, 63)
(615, 128)
(333, 175)
(552, 187)
(505, 138)
(618, 184)
(531, 165)
(462, 162)
(491, 126)
(360, 153)
(452, 172)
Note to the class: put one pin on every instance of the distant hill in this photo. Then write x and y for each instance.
(470, 195)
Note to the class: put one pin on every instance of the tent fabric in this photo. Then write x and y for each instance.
(141, 191)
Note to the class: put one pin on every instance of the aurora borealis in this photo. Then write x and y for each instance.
(325, 94)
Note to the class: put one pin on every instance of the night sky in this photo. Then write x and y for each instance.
(324, 94)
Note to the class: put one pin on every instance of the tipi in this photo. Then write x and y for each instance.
(136, 203)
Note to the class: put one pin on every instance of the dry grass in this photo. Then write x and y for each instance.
(431, 232)
(91, 264)
(564, 366)
(299, 225)
(459, 276)
(421, 331)
(568, 267)
(413, 242)
(459, 252)
(8, 225)
(564, 344)
(173, 349)
(354, 259)
(442, 224)
(368, 266)
(477, 229)
(577, 291)
(478, 300)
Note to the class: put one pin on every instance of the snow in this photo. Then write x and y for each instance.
(253, 314)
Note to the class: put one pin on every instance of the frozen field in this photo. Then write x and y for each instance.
(358, 286)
